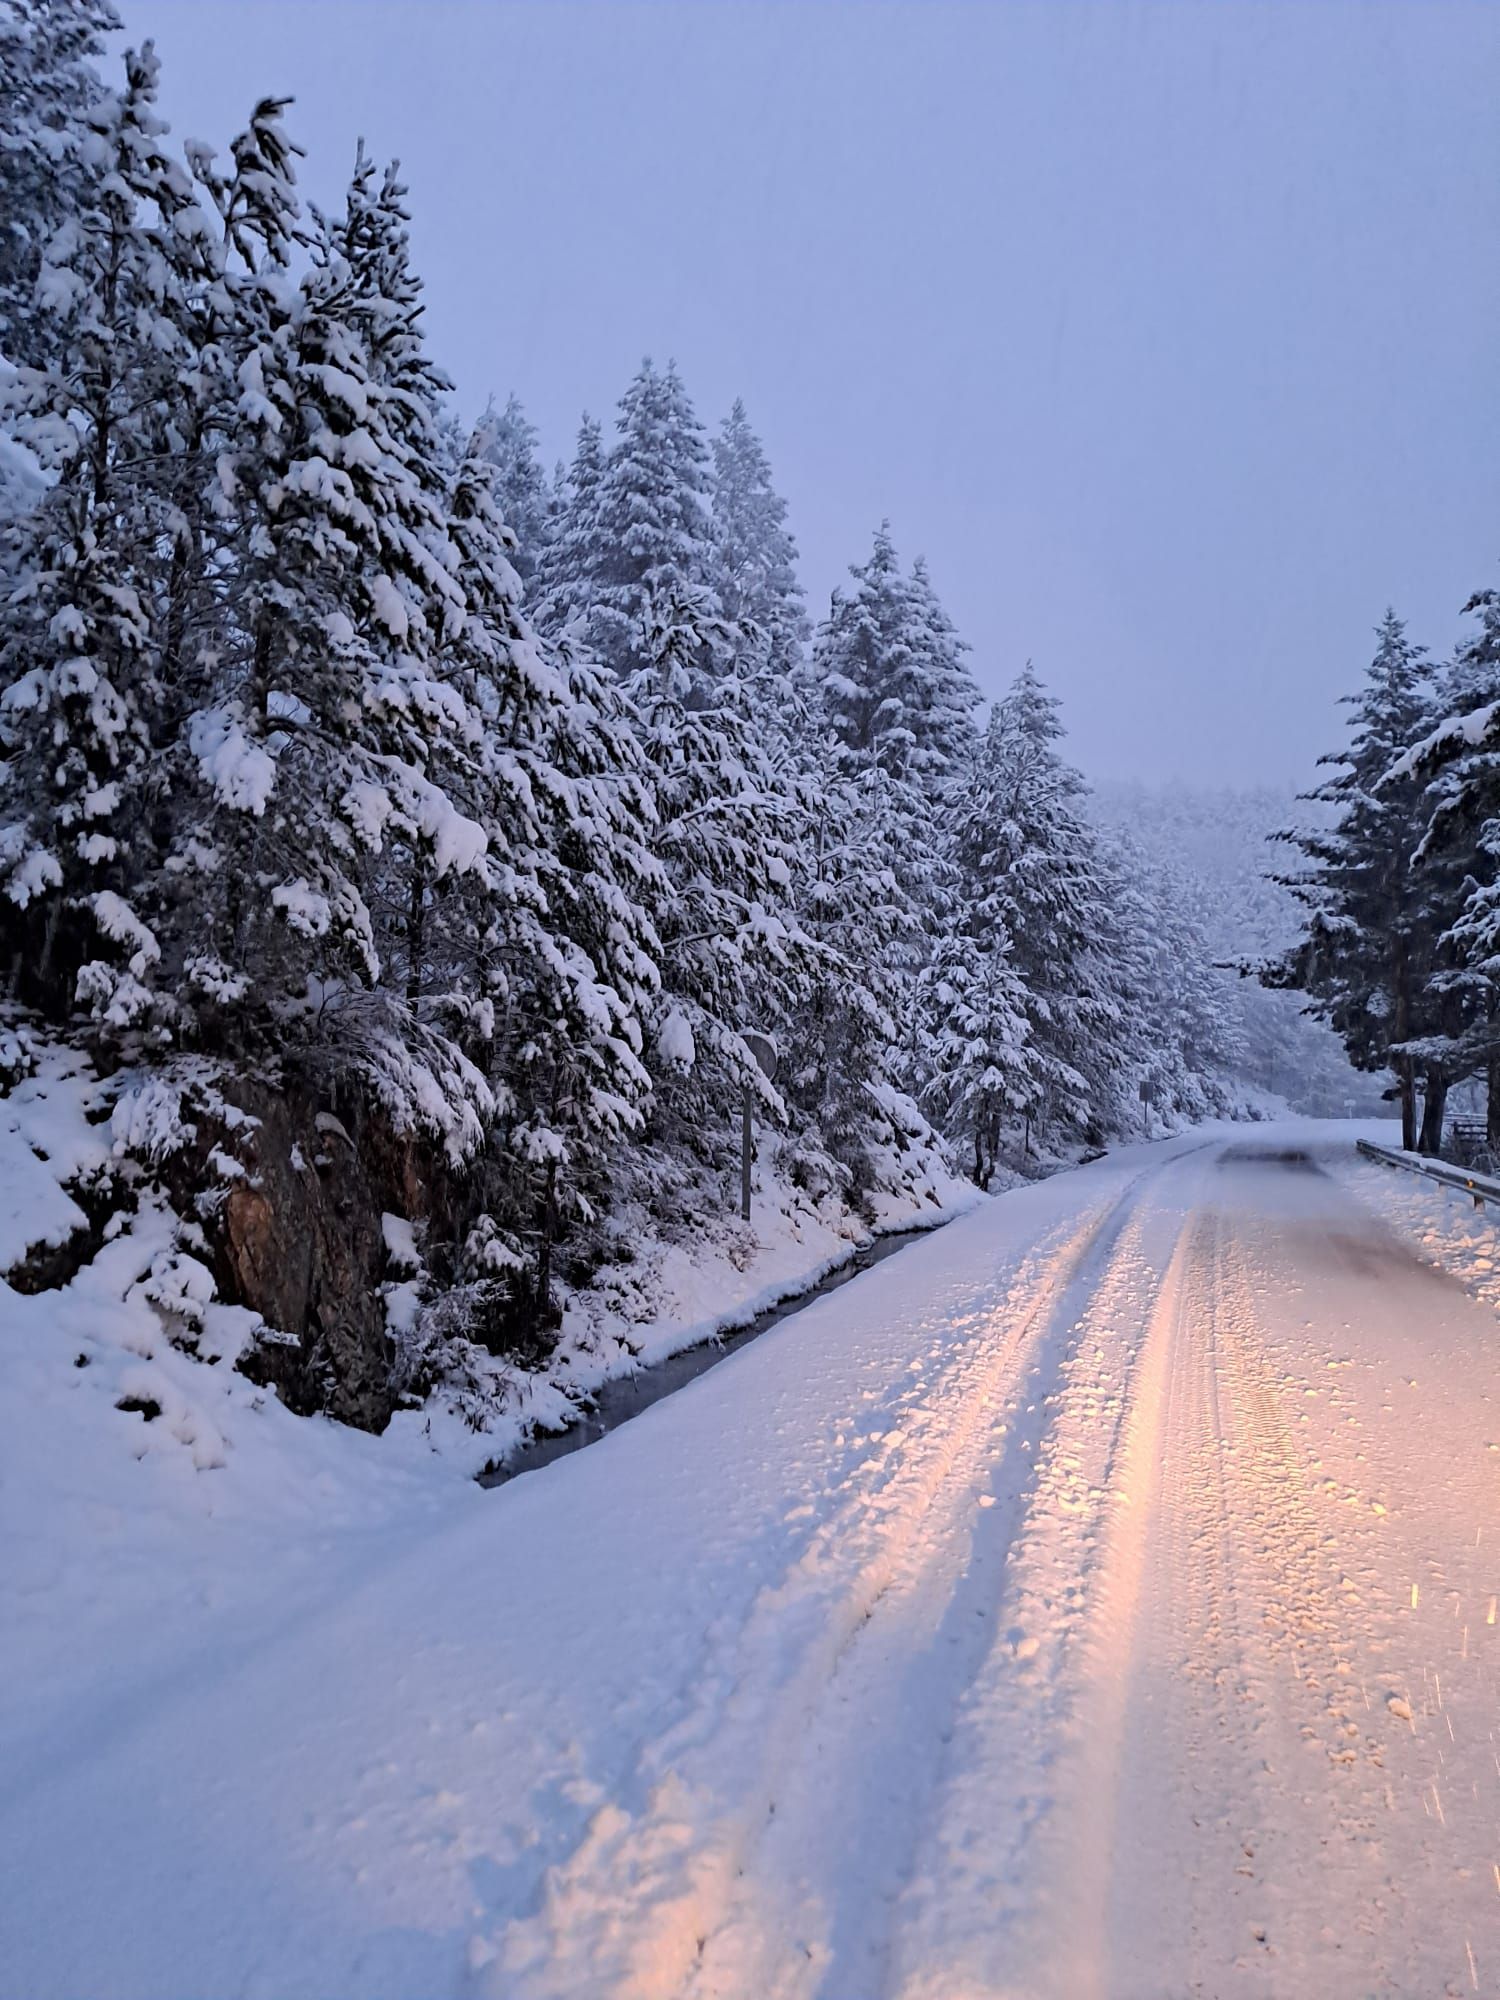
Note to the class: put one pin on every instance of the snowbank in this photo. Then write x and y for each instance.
(669, 1291)
(139, 1468)
(1439, 1223)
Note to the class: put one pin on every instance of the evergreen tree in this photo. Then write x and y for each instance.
(1366, 955)
(890, 671)
(652, 549)
(891, 695)
(572, 556)
(943, 699)
(733, 954)
(981, 1075)
(522, 491)
(331, 711)
(1053, 897)
(547, 957)
(754, 569)
(1458, 873)
(1473, 678)
(854, 897)
(865, 664)
(54, 146)
(83, 701)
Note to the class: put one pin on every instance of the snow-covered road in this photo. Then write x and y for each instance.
(1098, 1599)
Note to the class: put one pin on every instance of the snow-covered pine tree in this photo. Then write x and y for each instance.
(652, 546)
(1367, 949)
(971, 1007)
(562, 592)
(890, 672)
(874, 882)
(865, 662)
(320, 746)
(848, 1031)
(84, 703)
(205, 292)
(754, 570)
(1458, 872)
(543, 963)
(733, 955)
(1053, 897)
(943, 697)
(522, 490)
(50, 152)
(372, 239)
(1472, 679)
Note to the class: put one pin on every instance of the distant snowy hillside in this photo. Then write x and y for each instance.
(1219, 847)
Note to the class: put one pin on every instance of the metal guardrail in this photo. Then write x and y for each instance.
(1480, 1187)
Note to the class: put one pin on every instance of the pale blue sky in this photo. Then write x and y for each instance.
(1169, 333)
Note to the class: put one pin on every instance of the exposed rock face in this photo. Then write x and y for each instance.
(299, 1241)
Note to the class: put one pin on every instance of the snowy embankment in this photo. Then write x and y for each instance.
(158, 1338)
(713, 1276)
(147, 1485)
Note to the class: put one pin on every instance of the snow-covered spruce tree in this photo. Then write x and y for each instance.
(522, 490)
(848, 1031)
(542, 963)
(371, 237)
(754, 559)
(652, 547)
(971, 1007)
(562, 592)
(733, 955)
(84, 706)
(143, 504)
(1472, 679)
(1458, 872)
(868, 666)
(1053, 897)
(330, 711)
(51, 157)
(893, 694)
(942, 698)
(630, 572)
(874, 879)
(1366, 955)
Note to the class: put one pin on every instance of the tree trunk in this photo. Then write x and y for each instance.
(544, 1249)
(1434, 1100)
(1492, 1104)
(1408, 1110)
(1401, 1025)
(416, 930)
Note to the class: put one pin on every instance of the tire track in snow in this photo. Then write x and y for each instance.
(1013, 1868)
(901, 1690)
(688, 1894)
(1248, 1790)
